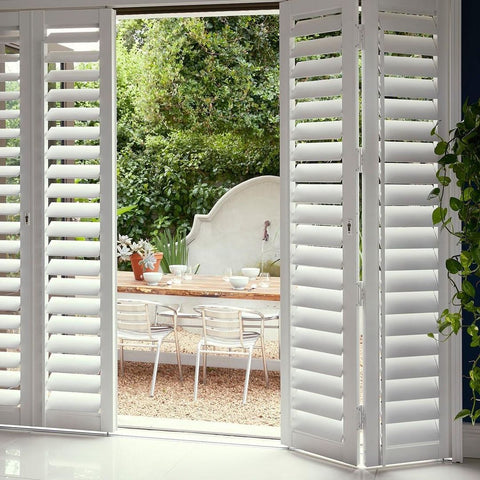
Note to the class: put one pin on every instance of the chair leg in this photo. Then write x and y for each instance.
(204, 367)
(179, 360)
(197, 371)
(247, 374)
(155, 368)
(264, 359)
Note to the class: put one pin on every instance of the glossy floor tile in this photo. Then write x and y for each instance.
(132, 455)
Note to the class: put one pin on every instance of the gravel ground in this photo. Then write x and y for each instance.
(220, 400)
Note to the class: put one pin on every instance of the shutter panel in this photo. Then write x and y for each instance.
(407, 89)
(12, 237)
(320, 154)
(79, 208)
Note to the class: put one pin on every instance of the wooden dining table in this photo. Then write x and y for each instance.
(210, 286)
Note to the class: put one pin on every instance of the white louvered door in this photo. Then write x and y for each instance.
(58, 219)
(320, 145)
(408, 88)
(402, 402)
(80, 216)
(11, 234)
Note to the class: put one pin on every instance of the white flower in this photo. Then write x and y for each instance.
(123, 252)
(124, 240)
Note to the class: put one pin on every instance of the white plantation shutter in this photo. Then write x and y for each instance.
(12, 237)
(407, 89)
(320, 125)
(80, 215)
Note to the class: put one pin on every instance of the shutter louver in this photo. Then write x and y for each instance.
(409, 244)
(78, 170)
(323, 126)
(11, 233)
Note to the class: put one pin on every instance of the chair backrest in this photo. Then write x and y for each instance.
(133, 317)
(222, 324)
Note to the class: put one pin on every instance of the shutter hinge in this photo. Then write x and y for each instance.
(361, 417)
(360, 294)
(26, 218)
(360, 40)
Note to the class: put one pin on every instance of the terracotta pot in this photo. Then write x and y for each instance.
(138, 268)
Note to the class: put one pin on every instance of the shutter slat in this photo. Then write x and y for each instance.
(73, 401)
(9, 304)
(318, 236)
(73, 248)
(313, 425)
(9, 265)
(73, 267)
(318, 383)
(406, 281)
(319, 46)
(411, 66)
(72, 76)
(399, 108)
(9, 322)
(315, 109)
(317, 68)
(408, 216)
(9, 284)
(408, 195)
(320, 298)
(411, 173)
(79, 114)
(328, 278)
(74, 344)
(9, 379)
(407, 23)
(318, 362)
(408, 151)
(418, 131)
(410, 324)
(73, 133)
(413, 367)
(318, 257)
(412, 389)
(318, 88)
(66, 363)
(318, 341)
(9, 359)
(411, 237)
(415, 45)
(9, 152)
(9, 171)
(313, 152)
(9, 340)
(412, 410)
(73, 306)
(318, 405)
(74, 56)
(73, 209)
(73, 325)
(67, 152)
(318, 193)
(318, 214)
(410, 88)
(317, 319)
(74, 36)
(310, 26)
(410, 346)
(73, 286)
(73, 95)
(73, 190)
(74, 382)
(74, 229)
(10, 398)
(9, 246)
(411, 259)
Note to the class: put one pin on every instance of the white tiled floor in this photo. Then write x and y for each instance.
(133, 456)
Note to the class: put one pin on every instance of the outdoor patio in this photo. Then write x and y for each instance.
(220, 400)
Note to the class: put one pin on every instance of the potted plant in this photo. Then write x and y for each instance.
(142, 255)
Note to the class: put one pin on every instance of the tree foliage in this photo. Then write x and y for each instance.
(197, 114)
(460, 163)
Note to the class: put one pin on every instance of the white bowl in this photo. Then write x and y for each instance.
(250, 272)
(152, 278)
(178, 269)
(238, 282)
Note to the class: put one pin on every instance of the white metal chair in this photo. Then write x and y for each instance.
(134, 329)
(222, 331)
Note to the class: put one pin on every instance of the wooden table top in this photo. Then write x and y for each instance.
(200, 286)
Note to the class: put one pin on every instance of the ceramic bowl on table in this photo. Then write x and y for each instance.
(238, 282)
(152, 278)
(250, 272)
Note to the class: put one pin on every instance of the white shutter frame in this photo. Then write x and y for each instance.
(415, 411)
(313, 418)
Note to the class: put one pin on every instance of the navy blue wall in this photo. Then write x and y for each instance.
(470, 91)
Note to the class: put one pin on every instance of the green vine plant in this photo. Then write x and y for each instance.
(459, 162)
